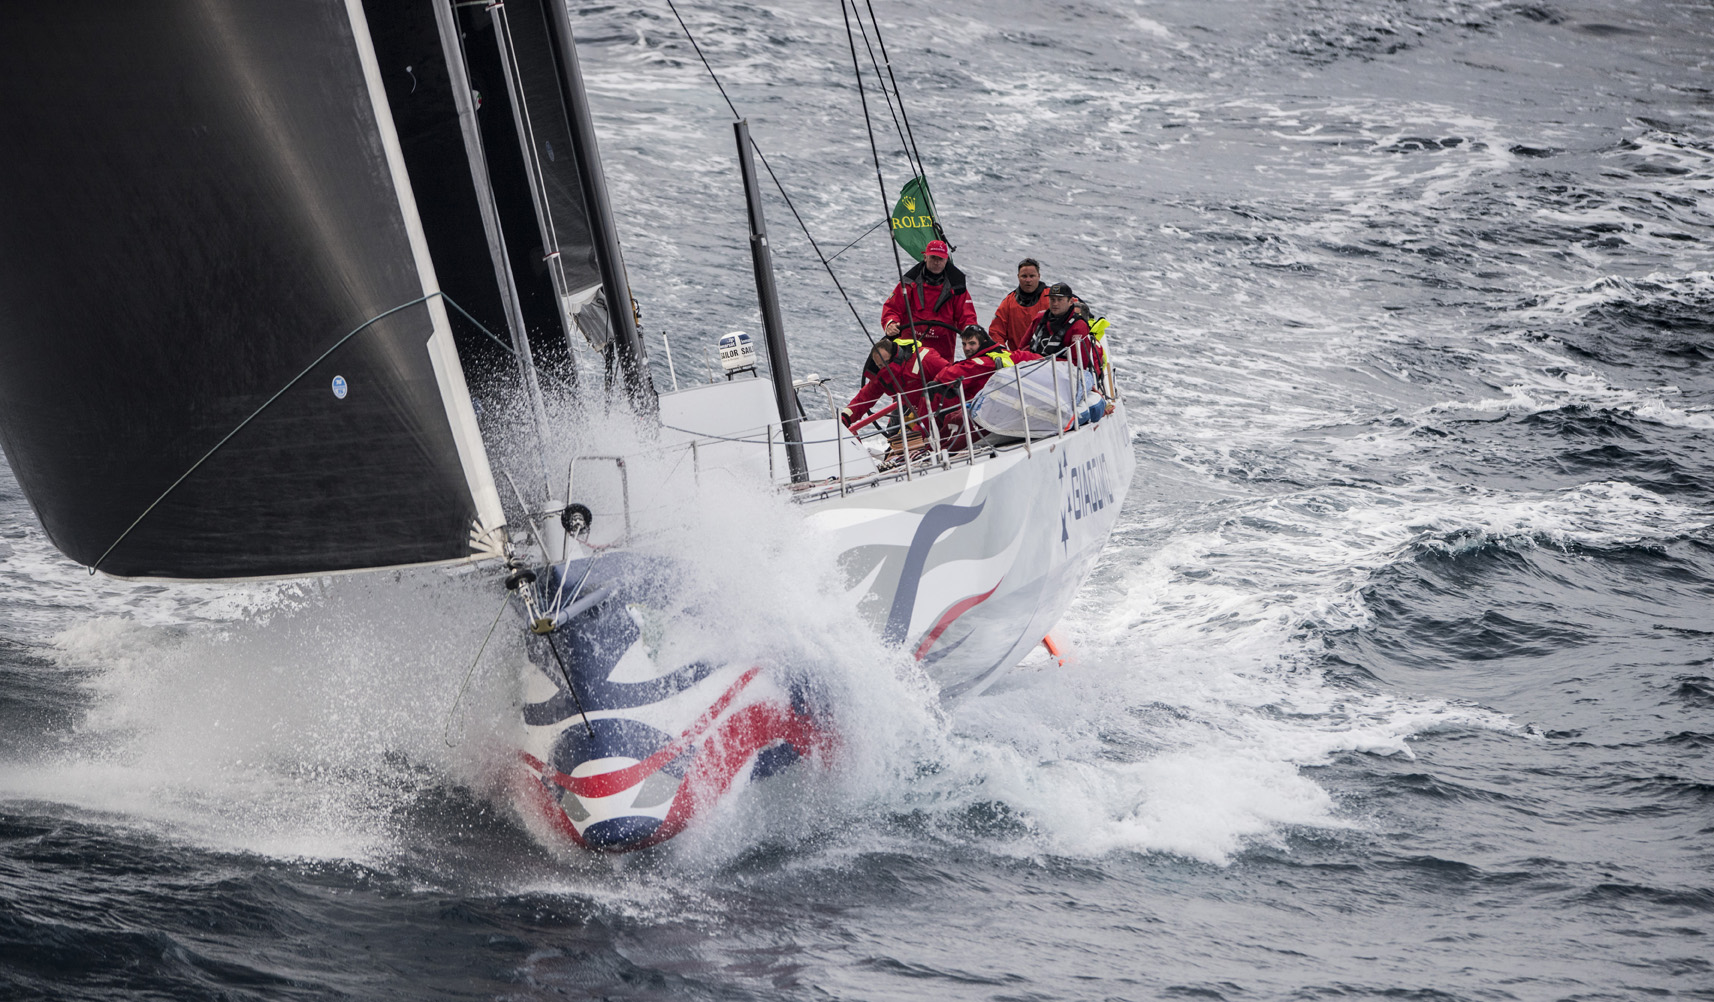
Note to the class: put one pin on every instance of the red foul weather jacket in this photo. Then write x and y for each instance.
(902, 379)
(1014, 318)
(1049, 335)
(976, 369)
(941, 310)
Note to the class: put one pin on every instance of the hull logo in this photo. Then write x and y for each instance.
(1087, 488)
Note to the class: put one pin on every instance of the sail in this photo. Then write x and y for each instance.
(203, 198)
(418, 51)
(522, 30)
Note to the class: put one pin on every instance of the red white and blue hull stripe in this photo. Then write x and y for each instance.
(639, 751)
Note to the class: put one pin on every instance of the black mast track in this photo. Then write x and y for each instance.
(566, 251)
(628, 343)
(419, 81)
(464, 101)
(538, 302)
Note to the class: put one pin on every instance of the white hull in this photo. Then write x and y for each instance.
(970, 566)
(966, 566)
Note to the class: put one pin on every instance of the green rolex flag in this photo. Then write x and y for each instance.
(913, 218)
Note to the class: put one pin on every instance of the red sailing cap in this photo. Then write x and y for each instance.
(935, 248)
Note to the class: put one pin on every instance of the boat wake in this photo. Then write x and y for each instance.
(314, 718)
(322, 725)
(323, 719)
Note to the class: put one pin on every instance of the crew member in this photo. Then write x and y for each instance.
(1060, 327)
(904, 368)
(931, 304)
(983, 356)
(1018, 311)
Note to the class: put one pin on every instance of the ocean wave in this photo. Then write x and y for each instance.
(1692, 290)
(1546, 392)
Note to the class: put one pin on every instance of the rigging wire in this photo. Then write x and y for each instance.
(874, 150)
(907, 138)
(898, 265)
(881, 81)
(253, 414)
(563, 670)
(878, 224)
(446, 731)
(922, 171)
(825, 261)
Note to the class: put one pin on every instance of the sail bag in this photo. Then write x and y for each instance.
(1043, 397)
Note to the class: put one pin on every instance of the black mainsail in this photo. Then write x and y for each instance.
(225, 345)
(201, 199)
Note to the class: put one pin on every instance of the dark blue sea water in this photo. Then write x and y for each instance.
(1396, 681)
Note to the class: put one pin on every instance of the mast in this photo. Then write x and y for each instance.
(762, 259)
(627, 342)
(470, 131)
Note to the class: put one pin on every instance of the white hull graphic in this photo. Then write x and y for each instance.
(969, 566)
